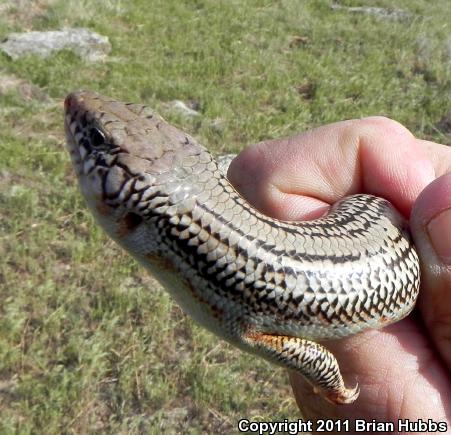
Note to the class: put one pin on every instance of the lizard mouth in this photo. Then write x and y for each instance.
(72, 145)
(73, 133)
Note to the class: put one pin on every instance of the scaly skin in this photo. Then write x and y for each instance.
(269, 287)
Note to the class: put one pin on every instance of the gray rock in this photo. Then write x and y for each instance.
(391, 14)
(27, 91)
(217, 125)
(183, 108)
(87, 44)
(424, 46)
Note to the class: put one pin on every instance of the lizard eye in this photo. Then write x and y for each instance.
(97, 137)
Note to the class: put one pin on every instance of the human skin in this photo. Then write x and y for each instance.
(404, 370)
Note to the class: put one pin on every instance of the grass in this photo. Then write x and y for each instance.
(88, 342)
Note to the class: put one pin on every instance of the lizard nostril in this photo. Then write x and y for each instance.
(67, 102)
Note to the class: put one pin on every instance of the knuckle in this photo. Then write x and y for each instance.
(386, 125)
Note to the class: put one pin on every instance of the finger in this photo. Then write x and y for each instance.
(399, 378)
(299, 177)
(431, 229)
(440, 156)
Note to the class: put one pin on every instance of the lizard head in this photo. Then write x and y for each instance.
(125, 157)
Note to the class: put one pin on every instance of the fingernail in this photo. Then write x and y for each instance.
(439, 229)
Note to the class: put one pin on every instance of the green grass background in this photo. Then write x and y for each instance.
(88, 342)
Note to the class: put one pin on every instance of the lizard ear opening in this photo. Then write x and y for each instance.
(132, 220)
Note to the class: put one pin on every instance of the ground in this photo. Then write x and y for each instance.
(89, 343)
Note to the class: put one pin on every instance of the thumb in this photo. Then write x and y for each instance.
(431, 230)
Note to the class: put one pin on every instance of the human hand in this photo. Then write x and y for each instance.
(404, 370)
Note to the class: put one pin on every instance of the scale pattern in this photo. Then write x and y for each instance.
(270, 287)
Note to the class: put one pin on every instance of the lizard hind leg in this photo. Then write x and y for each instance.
(312, 360)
